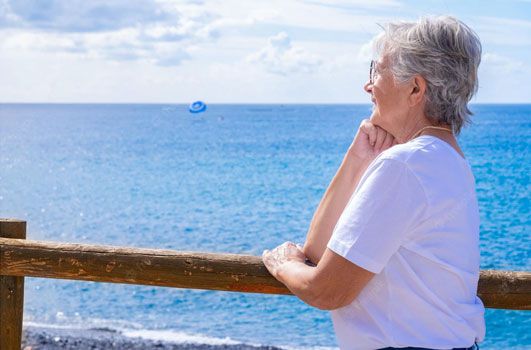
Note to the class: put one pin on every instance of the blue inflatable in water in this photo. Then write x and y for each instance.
(197, 107)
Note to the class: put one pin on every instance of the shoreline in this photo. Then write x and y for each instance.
(50, 338)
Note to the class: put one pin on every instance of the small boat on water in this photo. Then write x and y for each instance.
(197, 107)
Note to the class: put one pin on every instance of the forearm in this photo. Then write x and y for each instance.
(332, 284)
(297, 277)
(332, 205)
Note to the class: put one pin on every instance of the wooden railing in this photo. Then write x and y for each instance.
(21, 258)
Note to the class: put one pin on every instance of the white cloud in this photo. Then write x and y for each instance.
(503, 31)
(501, 79)
(79, 15)
(16, 40)
(178, 50)
(502, 63)
(139, 29)
(157, 43)
(365, 53)
(163, 33)
(360, 17)
(512, 22)
(6, 14)
(281, 57)
(356, 4)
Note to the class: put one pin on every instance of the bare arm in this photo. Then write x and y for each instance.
(332, 284)
(370, 141)
(332, 205)
(334, 281)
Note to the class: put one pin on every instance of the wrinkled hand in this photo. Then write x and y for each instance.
(370, 141)
(287, 251)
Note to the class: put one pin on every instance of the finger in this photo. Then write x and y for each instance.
(295, 246)
(388, 141)
(269, 261)
(269, 266)
(294, 250)
(362, 130)
(370, 130)
(364, 121)
(380, 138)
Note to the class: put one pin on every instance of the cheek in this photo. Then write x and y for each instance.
(382, 111)
(381, 98)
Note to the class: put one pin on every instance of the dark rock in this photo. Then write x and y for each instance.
(42, 338)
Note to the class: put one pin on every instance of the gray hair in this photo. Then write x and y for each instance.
(446, 53)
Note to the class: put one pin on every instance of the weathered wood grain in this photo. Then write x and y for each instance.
(195, 270)
(505, 289)
(11, 293)
(168, 268)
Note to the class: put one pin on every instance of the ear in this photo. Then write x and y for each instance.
(417, 91)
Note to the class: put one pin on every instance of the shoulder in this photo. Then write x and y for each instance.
(425, 155)
(393, 171)
(410, 152)
(399, 158)
(429, 163)
(408, 165)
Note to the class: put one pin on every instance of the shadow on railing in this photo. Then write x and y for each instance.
(21, 258)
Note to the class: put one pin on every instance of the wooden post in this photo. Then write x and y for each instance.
(11, 293)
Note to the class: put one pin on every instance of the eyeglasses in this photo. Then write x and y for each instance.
(372, 72)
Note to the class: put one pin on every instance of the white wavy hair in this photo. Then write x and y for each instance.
(446, 53)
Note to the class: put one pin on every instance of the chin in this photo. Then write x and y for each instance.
(375, 118)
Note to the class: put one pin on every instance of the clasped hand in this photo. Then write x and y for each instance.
(276, 258)
(370, 141)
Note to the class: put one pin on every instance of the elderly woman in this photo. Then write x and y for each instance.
(393, 247)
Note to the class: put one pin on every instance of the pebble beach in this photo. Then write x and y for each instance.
(42, 338)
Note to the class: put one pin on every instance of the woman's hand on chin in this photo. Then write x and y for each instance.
(370, 141)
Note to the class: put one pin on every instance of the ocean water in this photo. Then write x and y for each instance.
(238, 179)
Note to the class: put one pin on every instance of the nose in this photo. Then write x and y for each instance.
(368, 87)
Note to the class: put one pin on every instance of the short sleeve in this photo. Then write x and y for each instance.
(387, 203)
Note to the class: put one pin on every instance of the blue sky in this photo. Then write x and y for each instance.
(227, 51)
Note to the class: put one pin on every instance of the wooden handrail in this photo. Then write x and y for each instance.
(167, 268)
(194, 270)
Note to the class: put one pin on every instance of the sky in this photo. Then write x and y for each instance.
(228, 51)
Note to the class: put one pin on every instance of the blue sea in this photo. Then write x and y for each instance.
(236, 179)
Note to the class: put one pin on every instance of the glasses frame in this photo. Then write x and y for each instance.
(372, 72)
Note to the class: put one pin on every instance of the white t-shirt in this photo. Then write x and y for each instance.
(413, 220)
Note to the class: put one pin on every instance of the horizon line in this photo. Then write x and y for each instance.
(231, 103)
